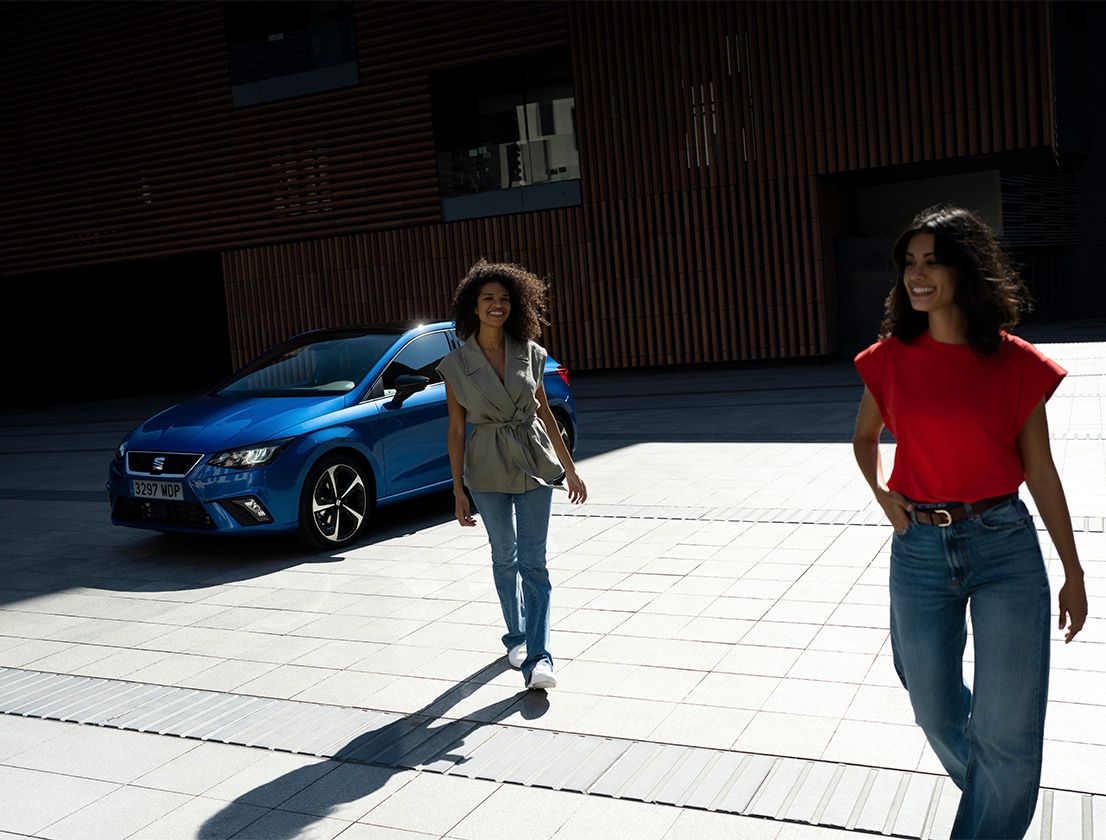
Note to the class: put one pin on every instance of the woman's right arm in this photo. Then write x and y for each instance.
(1043, 482)
(455, 443)
(869, 425)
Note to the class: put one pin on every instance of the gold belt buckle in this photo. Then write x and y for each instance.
(948, 517)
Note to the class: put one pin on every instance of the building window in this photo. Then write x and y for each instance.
(505, 133)
(293, 48)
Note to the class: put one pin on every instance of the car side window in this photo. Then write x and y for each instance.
(420, 357)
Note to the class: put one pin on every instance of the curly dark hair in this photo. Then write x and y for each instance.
(528, 300)
(989, 291)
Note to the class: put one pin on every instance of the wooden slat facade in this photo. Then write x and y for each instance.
(706, 133)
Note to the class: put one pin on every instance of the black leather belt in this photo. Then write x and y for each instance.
(945, 515)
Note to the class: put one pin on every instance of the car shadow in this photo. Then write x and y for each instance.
(396, 520)
(302, 797)
(88, 552)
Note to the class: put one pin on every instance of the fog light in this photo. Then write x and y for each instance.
(254, 508)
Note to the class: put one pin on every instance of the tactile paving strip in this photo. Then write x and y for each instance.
(867, 799)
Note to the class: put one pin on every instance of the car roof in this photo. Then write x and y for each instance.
(388, 328)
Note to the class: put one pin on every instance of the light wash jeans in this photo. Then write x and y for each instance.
(989, 738)
(517, 525)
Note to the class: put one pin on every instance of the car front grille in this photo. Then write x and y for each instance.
(161, 464)
(177, 514)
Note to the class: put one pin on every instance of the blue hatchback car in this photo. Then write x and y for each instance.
(307, 439)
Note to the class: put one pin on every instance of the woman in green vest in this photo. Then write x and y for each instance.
(514, 455)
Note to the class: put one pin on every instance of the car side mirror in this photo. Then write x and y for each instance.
(406, 385)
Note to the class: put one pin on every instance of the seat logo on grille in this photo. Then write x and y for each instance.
(158, 465)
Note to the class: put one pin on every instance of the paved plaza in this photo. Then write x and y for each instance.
(719, 628)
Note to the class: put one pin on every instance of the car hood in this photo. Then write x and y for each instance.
(212, 424)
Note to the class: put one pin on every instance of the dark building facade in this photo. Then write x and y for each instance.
(701, 182)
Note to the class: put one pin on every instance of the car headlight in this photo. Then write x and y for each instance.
(250, 457)
(124, 445)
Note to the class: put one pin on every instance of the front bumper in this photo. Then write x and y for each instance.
(214, 500)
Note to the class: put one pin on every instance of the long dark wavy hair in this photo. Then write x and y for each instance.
(989, 291)
(528, 300)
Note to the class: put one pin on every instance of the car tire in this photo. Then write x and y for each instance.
(335, 503)
(565, 429)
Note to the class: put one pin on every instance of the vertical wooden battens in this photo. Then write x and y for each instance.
(705, 130)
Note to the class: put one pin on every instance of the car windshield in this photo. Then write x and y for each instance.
(310, 365)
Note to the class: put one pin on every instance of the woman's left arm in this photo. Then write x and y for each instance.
(577, 492)
(1043, 481)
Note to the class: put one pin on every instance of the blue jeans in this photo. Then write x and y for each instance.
(517, 525)
(989, 738)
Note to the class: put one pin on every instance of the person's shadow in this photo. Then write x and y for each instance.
(414, 740)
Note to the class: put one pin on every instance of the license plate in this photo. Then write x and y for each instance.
(168, 490)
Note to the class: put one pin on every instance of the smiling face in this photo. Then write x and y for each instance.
(493, 305)
(930, 286)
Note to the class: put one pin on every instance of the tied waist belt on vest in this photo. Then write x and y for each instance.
(516, 423)
(945, 514)
(524, 457)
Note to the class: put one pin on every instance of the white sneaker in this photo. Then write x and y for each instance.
(517, 655)
(542, 676)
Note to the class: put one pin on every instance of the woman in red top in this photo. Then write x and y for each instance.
(965, 401)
